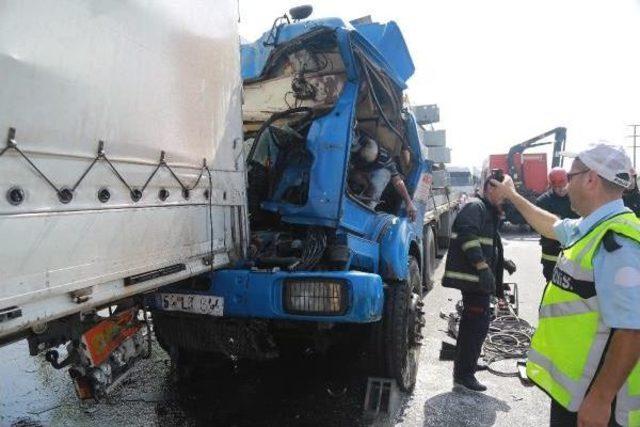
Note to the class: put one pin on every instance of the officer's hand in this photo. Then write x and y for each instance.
(487, 281)
(505, 189)
(594, 412)
(510, 266)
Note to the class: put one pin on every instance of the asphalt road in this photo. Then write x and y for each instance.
(315, 391)
(507, 402)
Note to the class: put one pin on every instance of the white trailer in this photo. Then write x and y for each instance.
(122, 169)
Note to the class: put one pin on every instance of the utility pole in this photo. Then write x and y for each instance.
(635, 138)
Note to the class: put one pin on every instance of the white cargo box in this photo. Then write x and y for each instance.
(87, 223)
(440, 178)
(426, 114)
(439, 154)
(435, 138)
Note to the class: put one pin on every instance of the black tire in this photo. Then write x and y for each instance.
(429, 257)
(184, 364)
(399, 342)
(442, 246)
(187, 362)
(442, 249)
(162, 345)
(443, 238)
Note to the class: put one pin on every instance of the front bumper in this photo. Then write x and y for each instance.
(261, 294)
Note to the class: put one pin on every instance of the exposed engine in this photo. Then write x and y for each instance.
(107, 351)
(301, 250)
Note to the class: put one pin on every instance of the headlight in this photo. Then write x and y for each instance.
(315, 296)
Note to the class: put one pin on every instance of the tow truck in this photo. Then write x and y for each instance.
(529, 171)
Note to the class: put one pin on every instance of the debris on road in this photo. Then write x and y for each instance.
(509, 335)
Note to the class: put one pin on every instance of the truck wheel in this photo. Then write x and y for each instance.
(443, 247)
(189, 364)
(429, 255)
(183, 362)
(402, 328)
(444, 235)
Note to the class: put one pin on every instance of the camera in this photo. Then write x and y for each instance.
(497, 174)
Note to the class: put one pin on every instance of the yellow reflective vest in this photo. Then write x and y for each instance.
(571, 339)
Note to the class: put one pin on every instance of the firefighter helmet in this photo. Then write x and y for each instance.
(558, 177)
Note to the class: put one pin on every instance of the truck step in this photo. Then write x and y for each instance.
(381, 399)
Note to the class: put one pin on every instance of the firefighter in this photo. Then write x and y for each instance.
(556, 201)
(474, 265)
(585, 353)
(631, 196)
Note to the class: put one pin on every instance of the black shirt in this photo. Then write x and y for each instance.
(559, 206)
(477, 219)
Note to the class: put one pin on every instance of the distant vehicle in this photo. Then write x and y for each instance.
(529, 171)
(462, 181)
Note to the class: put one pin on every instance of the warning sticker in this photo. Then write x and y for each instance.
(423, 191)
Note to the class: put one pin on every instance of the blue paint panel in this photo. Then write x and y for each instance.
(394, 249)
(376, 57)
(356, 217)
(387, 39)
(383, 42)
(254, 55)
(257, 294)
(329, 140)
(419, 160)
(364, 253)
(362, 220)
(379, 242)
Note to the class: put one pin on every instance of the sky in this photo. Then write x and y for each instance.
(503, 71)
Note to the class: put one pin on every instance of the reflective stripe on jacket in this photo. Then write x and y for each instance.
(474, 238)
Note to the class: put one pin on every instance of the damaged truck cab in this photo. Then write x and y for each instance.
(331, 246)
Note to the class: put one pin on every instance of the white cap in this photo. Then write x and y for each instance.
(609, 161)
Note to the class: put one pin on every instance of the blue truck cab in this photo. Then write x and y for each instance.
(324, 259)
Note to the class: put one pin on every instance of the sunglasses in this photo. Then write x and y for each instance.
(571, 175)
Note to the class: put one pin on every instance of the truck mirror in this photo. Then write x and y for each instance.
(300, 12)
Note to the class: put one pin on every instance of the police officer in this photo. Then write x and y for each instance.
(631, 196)
(474, 265)
(556, 201)
(585, 352)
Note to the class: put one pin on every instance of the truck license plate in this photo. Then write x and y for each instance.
(199, 304)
